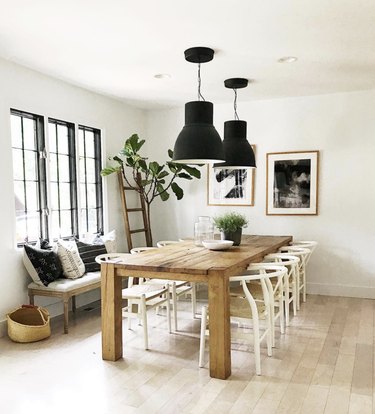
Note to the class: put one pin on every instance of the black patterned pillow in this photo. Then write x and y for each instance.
(45, 262)
(88, 252)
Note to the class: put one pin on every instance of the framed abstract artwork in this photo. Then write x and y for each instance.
(292, 183)
(227, 187)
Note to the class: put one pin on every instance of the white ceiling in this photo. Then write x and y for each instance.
(115, 47)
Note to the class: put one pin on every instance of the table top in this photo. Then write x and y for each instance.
(186, 257)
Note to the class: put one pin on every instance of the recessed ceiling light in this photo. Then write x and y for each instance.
(287, 59)
(162, 76)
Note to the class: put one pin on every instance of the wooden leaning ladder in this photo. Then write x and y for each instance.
(125, 213)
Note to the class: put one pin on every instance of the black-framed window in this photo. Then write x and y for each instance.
(90, 182)
(62, 179)
(48, 194)
(28, 149)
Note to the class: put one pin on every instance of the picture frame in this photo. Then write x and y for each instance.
(292, 183)
(230, 187)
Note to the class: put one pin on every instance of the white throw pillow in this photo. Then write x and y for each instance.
(109, 241)
(72, 264)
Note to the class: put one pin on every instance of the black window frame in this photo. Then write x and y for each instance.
(98, 178)
(72, 173)
(39, 136)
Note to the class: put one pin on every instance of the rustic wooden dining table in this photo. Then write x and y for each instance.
(184, 261)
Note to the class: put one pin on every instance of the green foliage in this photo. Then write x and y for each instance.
(154, 176)
(230, 222)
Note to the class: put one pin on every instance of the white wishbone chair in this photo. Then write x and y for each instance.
(176, 287)
(290, 279)
(142, 297)
(302, 254)
(244, 308)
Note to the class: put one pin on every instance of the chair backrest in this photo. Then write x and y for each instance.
(308, 244)
(113, 257)
(300, 252)
(284, 259)
(136, 250)
(163, 243)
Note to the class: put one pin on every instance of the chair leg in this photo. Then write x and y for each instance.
(74, 307)
(256, 345)
(66, 314)
(286, 300)
(193, 299)
(130, 309)
(144, 320)
(298, 292)
(31, 298)
(281, 310)
(202, 342)
(168, 305)
(174, 303)
(304, 285)
(294, 299)
(269, 335)
(273, 325)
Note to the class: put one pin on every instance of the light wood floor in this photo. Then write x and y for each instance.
(323, 364)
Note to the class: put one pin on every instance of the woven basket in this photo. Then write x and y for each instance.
(29, 324)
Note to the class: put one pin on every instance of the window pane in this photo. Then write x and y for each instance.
(91, 195)
(83, 195)
(92, 221)
(83, 221)
(17, 164)
(65, 196)
(64, 173)
(19, 192)
(30, 165)
(52, 137)
(89, 141)
(66, 224)
(81, 145)
(15, 124)
(32, 196)
(90, 170)
(53, 167)
(55, 231)
(21, 232)
(54, 196)
(33, 225)
(62, 139)
(29, 133)
(82, 170)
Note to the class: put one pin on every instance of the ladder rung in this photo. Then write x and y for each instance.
(128, 188)
(137, 231)
(135, 209)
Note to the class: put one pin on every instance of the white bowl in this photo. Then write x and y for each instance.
(217, 244)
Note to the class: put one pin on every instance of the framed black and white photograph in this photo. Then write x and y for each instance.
(226, 187)
(292, 183)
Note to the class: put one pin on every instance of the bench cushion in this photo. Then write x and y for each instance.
(66, 285)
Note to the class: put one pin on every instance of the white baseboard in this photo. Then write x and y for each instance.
(365, 292)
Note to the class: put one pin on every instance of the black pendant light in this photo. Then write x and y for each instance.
(198, 142)
(237, 149)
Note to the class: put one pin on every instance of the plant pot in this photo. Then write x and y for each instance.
(235, 236)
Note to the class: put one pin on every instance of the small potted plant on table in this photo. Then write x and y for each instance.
(230, 226)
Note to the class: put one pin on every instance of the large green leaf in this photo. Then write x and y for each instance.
(109, 170)
(192, 171)
(154, 168)
(164, 195)
(184, 175)
(118, 159)
(163, 174)
(177, 190)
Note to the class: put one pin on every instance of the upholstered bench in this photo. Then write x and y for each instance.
(66, 289)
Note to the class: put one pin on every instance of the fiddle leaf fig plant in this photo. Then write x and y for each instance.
(149, 178)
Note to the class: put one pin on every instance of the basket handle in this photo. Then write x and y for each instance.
(38, 309)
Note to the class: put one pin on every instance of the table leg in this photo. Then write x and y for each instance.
(219, 325)
(111, 313)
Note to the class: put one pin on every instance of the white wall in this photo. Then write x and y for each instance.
(30, 91)
(342, 127)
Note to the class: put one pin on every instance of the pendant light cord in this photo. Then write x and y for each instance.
(200, 96)
(235, 105)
